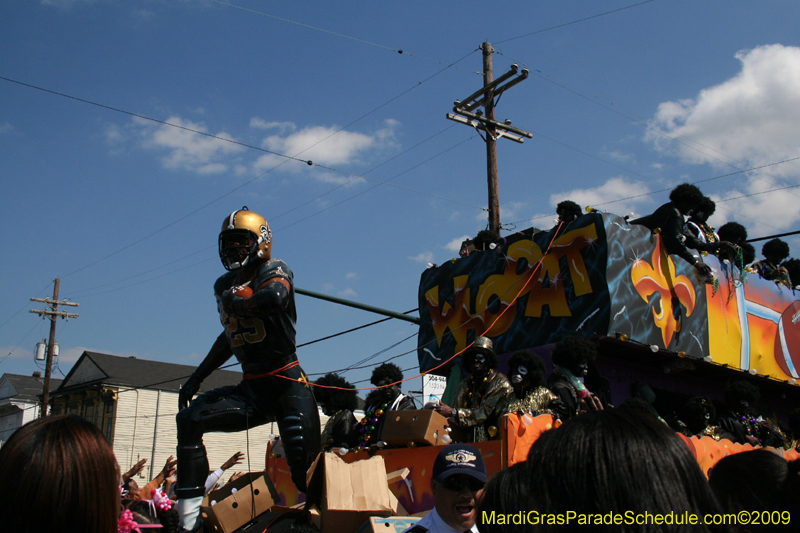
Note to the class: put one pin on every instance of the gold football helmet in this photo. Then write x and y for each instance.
(245, 237)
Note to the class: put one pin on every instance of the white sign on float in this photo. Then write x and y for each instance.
(433, 388)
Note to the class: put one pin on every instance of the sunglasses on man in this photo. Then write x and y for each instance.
(457, 483)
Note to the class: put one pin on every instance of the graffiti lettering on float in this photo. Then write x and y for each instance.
(500, 291)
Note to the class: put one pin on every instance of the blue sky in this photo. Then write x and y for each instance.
(107, 184)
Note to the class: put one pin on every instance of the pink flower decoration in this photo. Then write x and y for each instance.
(126, 523)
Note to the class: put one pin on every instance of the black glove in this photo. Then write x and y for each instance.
(227, 299)
(702, 268)
(232, 304)
(188, 391)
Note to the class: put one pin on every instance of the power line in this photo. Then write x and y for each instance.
(695, 182)
(367, 172)
(225, 139)
(637, 119)
(352, 330)
(576, 21)
(288, 225)
(23, 307)
(337, 34)
(19, 343)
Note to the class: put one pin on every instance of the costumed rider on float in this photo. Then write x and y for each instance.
(668, 220)
(386, 397)
(479, 398)
(255, 300)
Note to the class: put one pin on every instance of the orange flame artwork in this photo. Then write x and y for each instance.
(674, 290)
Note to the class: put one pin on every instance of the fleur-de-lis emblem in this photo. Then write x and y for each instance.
(674, 290)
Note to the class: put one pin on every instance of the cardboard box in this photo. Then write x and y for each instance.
(425, 427)
(235, 501)
(341, 496)
(392, 524)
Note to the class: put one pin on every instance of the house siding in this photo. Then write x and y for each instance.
(142, 432)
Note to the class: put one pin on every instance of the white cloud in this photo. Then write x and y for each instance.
(619, 156)
(345, 180)
(114, 134)
(65, 4)
(348, 293)
(510, 211)
(70, 355)
(6, 127)
(326, 145)
(455, 244)
(262, 124)
(15, 352)
(186, 149)
(424, 257)
(750, 120)
(752, 117)
(351, 275)
(605, 197)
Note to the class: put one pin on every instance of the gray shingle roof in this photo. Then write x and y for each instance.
(29, 388)
(94, 368)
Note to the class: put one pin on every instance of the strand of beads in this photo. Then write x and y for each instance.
(751, 426)
(471, 389)
(368, 424)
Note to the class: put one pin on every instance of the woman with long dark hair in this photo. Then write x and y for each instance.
(59, 474)
(623, 462)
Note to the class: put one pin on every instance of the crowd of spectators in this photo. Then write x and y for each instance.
(59, 473)
(624, 463)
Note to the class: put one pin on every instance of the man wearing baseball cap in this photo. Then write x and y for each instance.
(458, 478)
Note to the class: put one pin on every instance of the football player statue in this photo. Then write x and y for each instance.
(255, 300)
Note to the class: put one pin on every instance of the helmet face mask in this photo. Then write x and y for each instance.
(245, 238)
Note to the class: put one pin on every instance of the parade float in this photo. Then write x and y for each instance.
(655, 322)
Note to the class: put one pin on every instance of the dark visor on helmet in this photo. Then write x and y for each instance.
(236, 247)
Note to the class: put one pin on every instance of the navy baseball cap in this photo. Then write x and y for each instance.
(459, 459)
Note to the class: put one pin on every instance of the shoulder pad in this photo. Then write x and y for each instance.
(276, 267)
(223, 283)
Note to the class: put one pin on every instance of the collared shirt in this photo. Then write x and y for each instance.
(433, 523)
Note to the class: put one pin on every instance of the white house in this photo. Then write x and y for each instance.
(20, 401)
(134, 402)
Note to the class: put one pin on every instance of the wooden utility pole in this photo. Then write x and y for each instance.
(485, 121)
(52, 313)
(491, 141)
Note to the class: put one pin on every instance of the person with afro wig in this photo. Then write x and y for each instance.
(571, 358)
(338, 400)
(700, 418)
(669, 219)
(702, 237)
(769, 268)
(736, 234)
(386, 397)
(792, 267)
(479, 397)
(742, 420)
(527, 373)
(568, 212)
